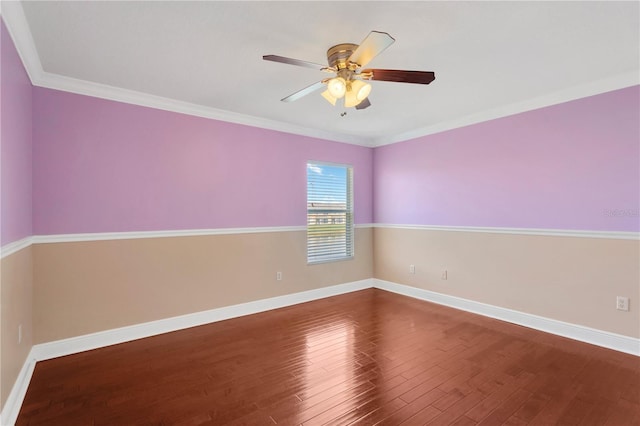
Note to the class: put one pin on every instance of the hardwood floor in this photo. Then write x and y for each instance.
(363, 358)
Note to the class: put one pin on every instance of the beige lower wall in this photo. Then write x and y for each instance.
(575, 280)
(86, 287)
(61, 290)
(16, 309)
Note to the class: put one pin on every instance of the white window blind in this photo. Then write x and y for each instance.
(329, 212)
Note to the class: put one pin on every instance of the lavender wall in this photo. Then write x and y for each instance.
(103, 166)
(570, 166)
(15, 144)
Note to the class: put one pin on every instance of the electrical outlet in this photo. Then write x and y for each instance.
(412, 269)
(444, 275)
(622, 303)
(279, 276)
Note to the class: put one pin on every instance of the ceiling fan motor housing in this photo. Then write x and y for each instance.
(346, 61)
(338, 56)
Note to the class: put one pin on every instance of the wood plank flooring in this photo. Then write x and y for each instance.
(364, 358)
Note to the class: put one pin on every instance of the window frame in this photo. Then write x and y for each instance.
(348, 211)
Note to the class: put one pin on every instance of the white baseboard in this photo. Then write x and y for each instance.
(11, 408)
(593, 336)
(101, 339)
(125, 334)
(86, 342)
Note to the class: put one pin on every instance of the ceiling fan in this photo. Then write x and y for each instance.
(346, 61)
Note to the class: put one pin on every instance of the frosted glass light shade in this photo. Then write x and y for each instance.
(361, 89)
(328, 97)
(350, 99)
(337, 87)
(358, 92)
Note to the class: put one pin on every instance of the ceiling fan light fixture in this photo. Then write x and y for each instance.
(329, 97)
(346, 60)
(361, 89)
(357, 91)
(350, 99)
(337, 87)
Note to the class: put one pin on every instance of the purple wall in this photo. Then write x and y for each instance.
(103, 166)
(15, 143)
(569, 166)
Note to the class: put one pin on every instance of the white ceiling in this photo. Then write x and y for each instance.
(491, 59)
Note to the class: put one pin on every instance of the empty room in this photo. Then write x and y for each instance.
(320, 213)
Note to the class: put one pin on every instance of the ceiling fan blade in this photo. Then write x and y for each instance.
(291, 61)
(303, 92)
(400, 76)
(364, 104)
(371, 47)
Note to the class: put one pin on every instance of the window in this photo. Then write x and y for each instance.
(329, 212)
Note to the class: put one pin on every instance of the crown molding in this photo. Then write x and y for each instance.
(18, 27)
(103, 91)
(609, 84)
